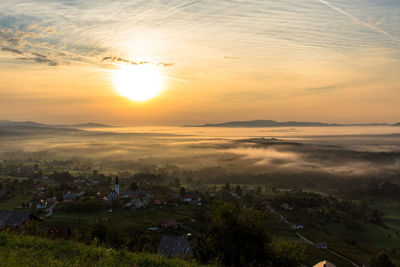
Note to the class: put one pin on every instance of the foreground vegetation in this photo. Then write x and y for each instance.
(21, 250)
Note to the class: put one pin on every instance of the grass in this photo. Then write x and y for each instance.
(13, 202)
(20, 250)
(141, 219)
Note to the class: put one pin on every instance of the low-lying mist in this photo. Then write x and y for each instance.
(191, 151)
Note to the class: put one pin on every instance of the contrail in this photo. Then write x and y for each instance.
(359, 20)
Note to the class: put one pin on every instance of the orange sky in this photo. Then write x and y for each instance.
(310, 61)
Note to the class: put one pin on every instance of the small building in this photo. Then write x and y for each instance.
(78, 193)
(127, 193)
(286, 206)
(171, 223)
(143, 193)
(42, 204)
(322, 245)
(171, 245)
(324, 264)
(10, 219)
(69, 197)
(298, 226)
(137, 203)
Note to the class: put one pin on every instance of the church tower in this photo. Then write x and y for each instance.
(116, 188)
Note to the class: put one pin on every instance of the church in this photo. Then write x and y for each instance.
(114, 193)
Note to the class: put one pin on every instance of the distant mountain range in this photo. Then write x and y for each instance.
(271, 123)
(36, 124)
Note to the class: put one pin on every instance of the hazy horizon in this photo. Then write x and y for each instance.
(159, 63)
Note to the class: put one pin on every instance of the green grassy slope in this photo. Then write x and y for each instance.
(20, 250)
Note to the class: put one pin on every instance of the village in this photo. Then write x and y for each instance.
(165, 216)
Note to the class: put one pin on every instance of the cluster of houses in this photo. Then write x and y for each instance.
(134, 199)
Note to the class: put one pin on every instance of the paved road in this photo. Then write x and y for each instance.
(312, 243)
(51, 209)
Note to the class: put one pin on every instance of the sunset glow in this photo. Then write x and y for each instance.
(138, 83)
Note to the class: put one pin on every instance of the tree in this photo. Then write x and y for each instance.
(177, 183)
(287, 253)
(182, 193)
(382, 259)
(376, 217)
(134, 186)
(238, 191)
(259, 190)
(234, 238)
(227, 187)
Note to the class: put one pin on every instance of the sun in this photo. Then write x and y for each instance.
(139, 82)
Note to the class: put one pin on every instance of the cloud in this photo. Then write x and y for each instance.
(40, 60)
(228, 57)
(12, 50)
(119, 59)
(20, 43)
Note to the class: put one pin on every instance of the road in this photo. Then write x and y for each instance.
(312, 243)
(51, 209)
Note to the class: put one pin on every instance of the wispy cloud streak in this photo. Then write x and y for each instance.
(369, 25)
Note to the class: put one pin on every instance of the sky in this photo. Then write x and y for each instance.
(304, 60)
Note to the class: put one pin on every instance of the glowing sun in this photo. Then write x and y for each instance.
(139, 83)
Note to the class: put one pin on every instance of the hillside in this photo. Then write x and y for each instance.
(8, 123)
(20, 250)
(271, 123)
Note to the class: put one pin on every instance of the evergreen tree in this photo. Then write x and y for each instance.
(182, 193)
(238, 191)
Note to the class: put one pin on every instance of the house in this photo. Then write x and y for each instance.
(324, 264)
(137, 203)
(42, 204)
(298, 226)
(187, 198)
(78, 193)
(171, 245)
(270, 209)
(143, 193)
(192, 198)
(127, 193)
(170, 223)
(10, 219)
(235, 195)
(69, 197)
(286, 206)
(322, 245)
(79, 181)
